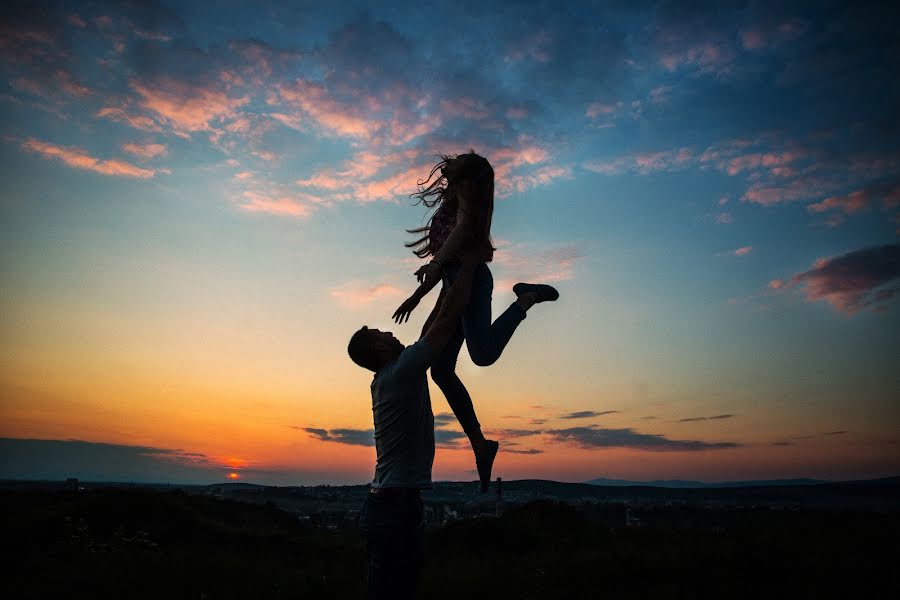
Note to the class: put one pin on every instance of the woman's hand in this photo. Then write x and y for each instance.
(401, 315)
(429, 275)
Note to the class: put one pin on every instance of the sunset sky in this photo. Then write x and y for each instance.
(200, 205)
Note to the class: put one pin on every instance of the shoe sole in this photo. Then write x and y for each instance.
(544, 292)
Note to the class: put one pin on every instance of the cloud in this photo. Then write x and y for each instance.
(522, 450)
(850, 282)
(356, 294)
(80, 159)
(296, 205)
(187, 106)
(444, 438)
(595, 109)
(742, 251)
(97, 461)
(887, 192)
(644, 163)
(351, 437)
(840, 432)
(585, 414)
(525, 262)
(594, 437)
(713, 418)
(145, 150)
(444, 419)
(513, 433)
(767, 36)
(121, 114)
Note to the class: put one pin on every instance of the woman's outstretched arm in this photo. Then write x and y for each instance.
(401, 315)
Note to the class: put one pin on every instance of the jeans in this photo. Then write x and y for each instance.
(485, 341)
(393, 528)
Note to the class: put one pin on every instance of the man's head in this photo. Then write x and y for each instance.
(372, 349)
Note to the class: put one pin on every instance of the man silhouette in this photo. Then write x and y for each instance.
(392, 516)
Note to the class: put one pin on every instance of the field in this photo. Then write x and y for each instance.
(141, 543)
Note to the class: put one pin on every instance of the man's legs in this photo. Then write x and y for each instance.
(393, 530)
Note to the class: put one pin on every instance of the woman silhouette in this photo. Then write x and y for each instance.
(462, 188)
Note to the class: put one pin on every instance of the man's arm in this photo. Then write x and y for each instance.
(434, 313)
(454, 302)
(415, 359)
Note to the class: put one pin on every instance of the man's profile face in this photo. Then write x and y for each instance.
(385, 340)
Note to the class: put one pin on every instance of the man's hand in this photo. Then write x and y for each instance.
(401, 315)
(428, 275)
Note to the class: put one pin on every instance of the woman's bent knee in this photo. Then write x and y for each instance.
(442, 376)
(483, 359)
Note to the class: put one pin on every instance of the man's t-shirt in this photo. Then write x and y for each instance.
(404, 424)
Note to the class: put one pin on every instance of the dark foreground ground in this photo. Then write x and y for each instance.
(134, 543)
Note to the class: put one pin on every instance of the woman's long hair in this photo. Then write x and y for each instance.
(441, 192)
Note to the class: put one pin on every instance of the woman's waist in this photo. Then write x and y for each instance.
(450, 270)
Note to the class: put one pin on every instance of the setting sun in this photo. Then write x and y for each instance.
(233, 476)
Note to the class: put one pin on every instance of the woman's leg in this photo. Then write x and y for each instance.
(486, 340)
(443, 372)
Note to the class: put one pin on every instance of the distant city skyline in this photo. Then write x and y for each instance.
(201, 204)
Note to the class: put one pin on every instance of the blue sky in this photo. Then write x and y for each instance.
(202, 204)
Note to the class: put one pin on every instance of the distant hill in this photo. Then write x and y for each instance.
(681, 483)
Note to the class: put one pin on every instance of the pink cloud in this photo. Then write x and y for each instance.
(356, 294)
(287, 206)
(772, 35)
(753, 39)
(705, 58)
(538, 177)
(768, 194)
(80, 159)
(314, 100)
(76, 21)
(595, 109)
(854, 202)
(187, 107)
(61, 80)
(644, 163)
(145, 150)
(742, 251)
(136, 121)
(388, 188)
(772, 160)
(865, 278)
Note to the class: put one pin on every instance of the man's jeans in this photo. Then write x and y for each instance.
(393, 528)
(484, 339)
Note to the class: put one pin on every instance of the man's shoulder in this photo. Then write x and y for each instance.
(414, 360)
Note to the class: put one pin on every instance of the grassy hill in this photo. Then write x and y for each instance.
(133, 543)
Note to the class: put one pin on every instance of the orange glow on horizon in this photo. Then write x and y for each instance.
(233, 476)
